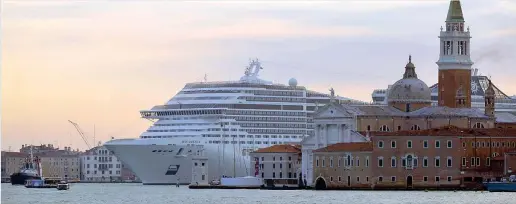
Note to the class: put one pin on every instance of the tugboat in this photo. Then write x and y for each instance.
(31, 169)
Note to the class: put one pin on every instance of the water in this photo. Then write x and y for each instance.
(137, 193)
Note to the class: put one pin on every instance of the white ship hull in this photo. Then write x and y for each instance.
(167, 168)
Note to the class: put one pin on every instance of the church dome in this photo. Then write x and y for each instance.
(410, 89)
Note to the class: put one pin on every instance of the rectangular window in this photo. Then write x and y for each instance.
(449, 144)
(449, 162)
(425, 144)
(472, 161)
(437, 162)
(380, 179)
(393, 178)
(437, 178)
(449, 178)
(340, 178)
(358, 162)
(478, 161)
(464, 161)
(437, 144)
(393, 144)
(409, 144)
(358, 179)
(323, 163)
(425, 178)
(317, 162)
(340, 159)
(425, 162)
(393, 162)
(380, 162)
(367, 162)
(488, 161)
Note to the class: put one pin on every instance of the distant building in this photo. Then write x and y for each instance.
(60, 164)
(54, 161)
(12, 162)
(100, 165)
(278, 164)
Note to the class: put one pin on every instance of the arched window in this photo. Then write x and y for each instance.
(415, 127)
(348, 160)
(384, 128)
(478, 125)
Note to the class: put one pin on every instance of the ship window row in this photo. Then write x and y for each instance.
(179, 130)
(254, 136)
(240, 85)
(275, 119)
(273, 125)
(315, 94)
(268, 113)
(275, 93)
(183, 124)
(277, 131)
(203, 98)
(181, 112)
(247, 142)
(209, 91)
(273, 99)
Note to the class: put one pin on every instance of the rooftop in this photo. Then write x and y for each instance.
(282, 148)
(350, 147)
(448, 131)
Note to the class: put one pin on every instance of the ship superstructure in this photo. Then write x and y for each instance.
(227, 119)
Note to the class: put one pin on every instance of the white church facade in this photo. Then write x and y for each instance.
(334, 123)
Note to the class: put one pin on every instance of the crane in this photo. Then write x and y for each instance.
(80, 133)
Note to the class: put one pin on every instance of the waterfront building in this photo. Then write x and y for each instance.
(416, 159)
(278, 164)
(101, 165)
(344, 166)
(12, 162)
(60, 164)
(55, 162)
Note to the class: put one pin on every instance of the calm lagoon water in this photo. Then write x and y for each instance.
(137, 193)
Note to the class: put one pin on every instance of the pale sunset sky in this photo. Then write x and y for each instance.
(100, 63)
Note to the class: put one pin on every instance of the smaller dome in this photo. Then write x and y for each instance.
(409, 90)
(292, 82)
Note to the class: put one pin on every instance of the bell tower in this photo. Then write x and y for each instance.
(454, 60)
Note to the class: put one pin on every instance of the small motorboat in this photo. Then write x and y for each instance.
(63, 185)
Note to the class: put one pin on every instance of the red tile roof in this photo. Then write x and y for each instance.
(283, 148)
(352, 147)
(447, 131)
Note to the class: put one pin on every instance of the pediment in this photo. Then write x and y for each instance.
(335, 110)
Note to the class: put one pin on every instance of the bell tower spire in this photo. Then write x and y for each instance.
(454, 59)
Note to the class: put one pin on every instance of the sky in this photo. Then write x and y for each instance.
(98, 63)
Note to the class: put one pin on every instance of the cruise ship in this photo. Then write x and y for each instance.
(479, 83)
(224, 120)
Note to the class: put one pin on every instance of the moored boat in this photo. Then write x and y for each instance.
(41, 183)
(63, 185)
(506, 185)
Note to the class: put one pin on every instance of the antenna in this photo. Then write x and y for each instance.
(205, 78)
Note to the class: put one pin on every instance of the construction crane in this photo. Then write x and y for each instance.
(80, 133)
